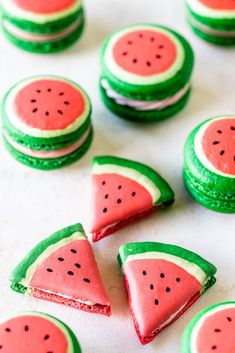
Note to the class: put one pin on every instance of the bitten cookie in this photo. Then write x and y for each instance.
(36, 332)
(42, 26)
(63, 269)
(124, 191)
(146, 72)
(209, 164)
(47, 122)
(162, 282)
(212, 330)
(213, 20)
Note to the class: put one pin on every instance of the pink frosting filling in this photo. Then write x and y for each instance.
(61, 152)
(209, 30)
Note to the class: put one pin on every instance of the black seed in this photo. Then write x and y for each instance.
(156, 302)
(8, 329)
(60, 112)
(152, 39)
(229, 319)
(33, 101)
(49, 90)
(66, 103)
(222, 152)
(144, 273)
(213, 347)
(133, 194)
(46, 337)
(161, 46)
(168, 289)
(86, 280)
(148, 63)
(0, 347)
(35, 110)
(135, 61)
(129, 42)
(106, 196)
(177, 279)
(105, 210)
(151, 286)
(70, 273)
(49, 352)
(215, 143)
(61, 93)
(219, 131)
(141, 35)
(125, 53)
(26, 328)
(47, 113)
(119, 201)
(78, 265)
(217, 330)
(119, 187)
(73, 251)
(60, 259)
(49, 270)
(162, 275)
(233, 128)
(158, 56)
(38, 91)
(103, 183)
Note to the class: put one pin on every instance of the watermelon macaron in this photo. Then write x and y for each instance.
(162, 282)
(63, 269)
(42, 26)
(213, 20)
(124, 191)
(36, 332)
(47, 122)
(212, 330)
(146, 72)
(209, 164)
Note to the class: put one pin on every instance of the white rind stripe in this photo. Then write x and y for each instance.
(209, 30)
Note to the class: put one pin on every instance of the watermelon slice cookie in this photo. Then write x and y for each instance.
(36, 332)
(124, 191)
(46, 122)
(213, 20)
(162, 282)
(209, 164)
(146, 72)
(42, 26)
(212, 330)
(63, 269)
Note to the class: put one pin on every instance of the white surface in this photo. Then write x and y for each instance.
(33, 203)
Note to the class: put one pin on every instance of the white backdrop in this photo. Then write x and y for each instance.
(34, 204)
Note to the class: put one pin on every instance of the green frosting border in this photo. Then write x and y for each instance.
(145, 247)
(167, 194)
(154, 91)
(186, 338)
(21, 269)
(38, 143)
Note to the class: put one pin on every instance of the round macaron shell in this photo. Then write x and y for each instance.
(49, 104)
(145, 52)
(44, 6)
(219, 4)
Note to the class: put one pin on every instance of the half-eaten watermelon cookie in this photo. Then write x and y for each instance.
(42, 26)
(209, 164)
(63, 269)
(36, 332)
(212, 330)
(146, 72)
(162, 282)
(213, 20)
(46, 122)
(124, 191)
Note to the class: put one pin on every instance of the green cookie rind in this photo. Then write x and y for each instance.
(144, 247)
(151, 116)
(167, 194)
(186, 338)
(45, 28)
(21, 270)
(213, 39)
(50, 164)
(37, 143)
(154, 91)
(46, 47)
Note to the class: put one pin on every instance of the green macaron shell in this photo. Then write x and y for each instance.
(40, 143)
(151, 116)
(52, 163)
(213, 39)
(151, 91)
(167, 194)
(187, 335)
(213, 190)
(20, 271)
(46, 47)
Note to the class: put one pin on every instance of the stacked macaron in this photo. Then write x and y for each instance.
(146, 72)
(213, 20)
(42, 26)
(46, 122)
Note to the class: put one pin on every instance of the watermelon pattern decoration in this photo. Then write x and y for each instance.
(36, 332)
(62, 269)
(47, 122)
(209, 168)
(146, 72)
(162, 282)
(212, 330)
(124, 191)
(42, 26)
(213, 20)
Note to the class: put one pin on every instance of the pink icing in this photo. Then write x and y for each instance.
(44, 6)
(49, 154)
(219, 4)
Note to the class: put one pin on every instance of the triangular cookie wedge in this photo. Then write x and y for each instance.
(63, 269)
(124, 191)
(162, 282)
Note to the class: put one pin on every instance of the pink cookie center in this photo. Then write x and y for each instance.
(218, 145)
(44, 6)
(145, 52)
(49, 104)
(219, 4)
